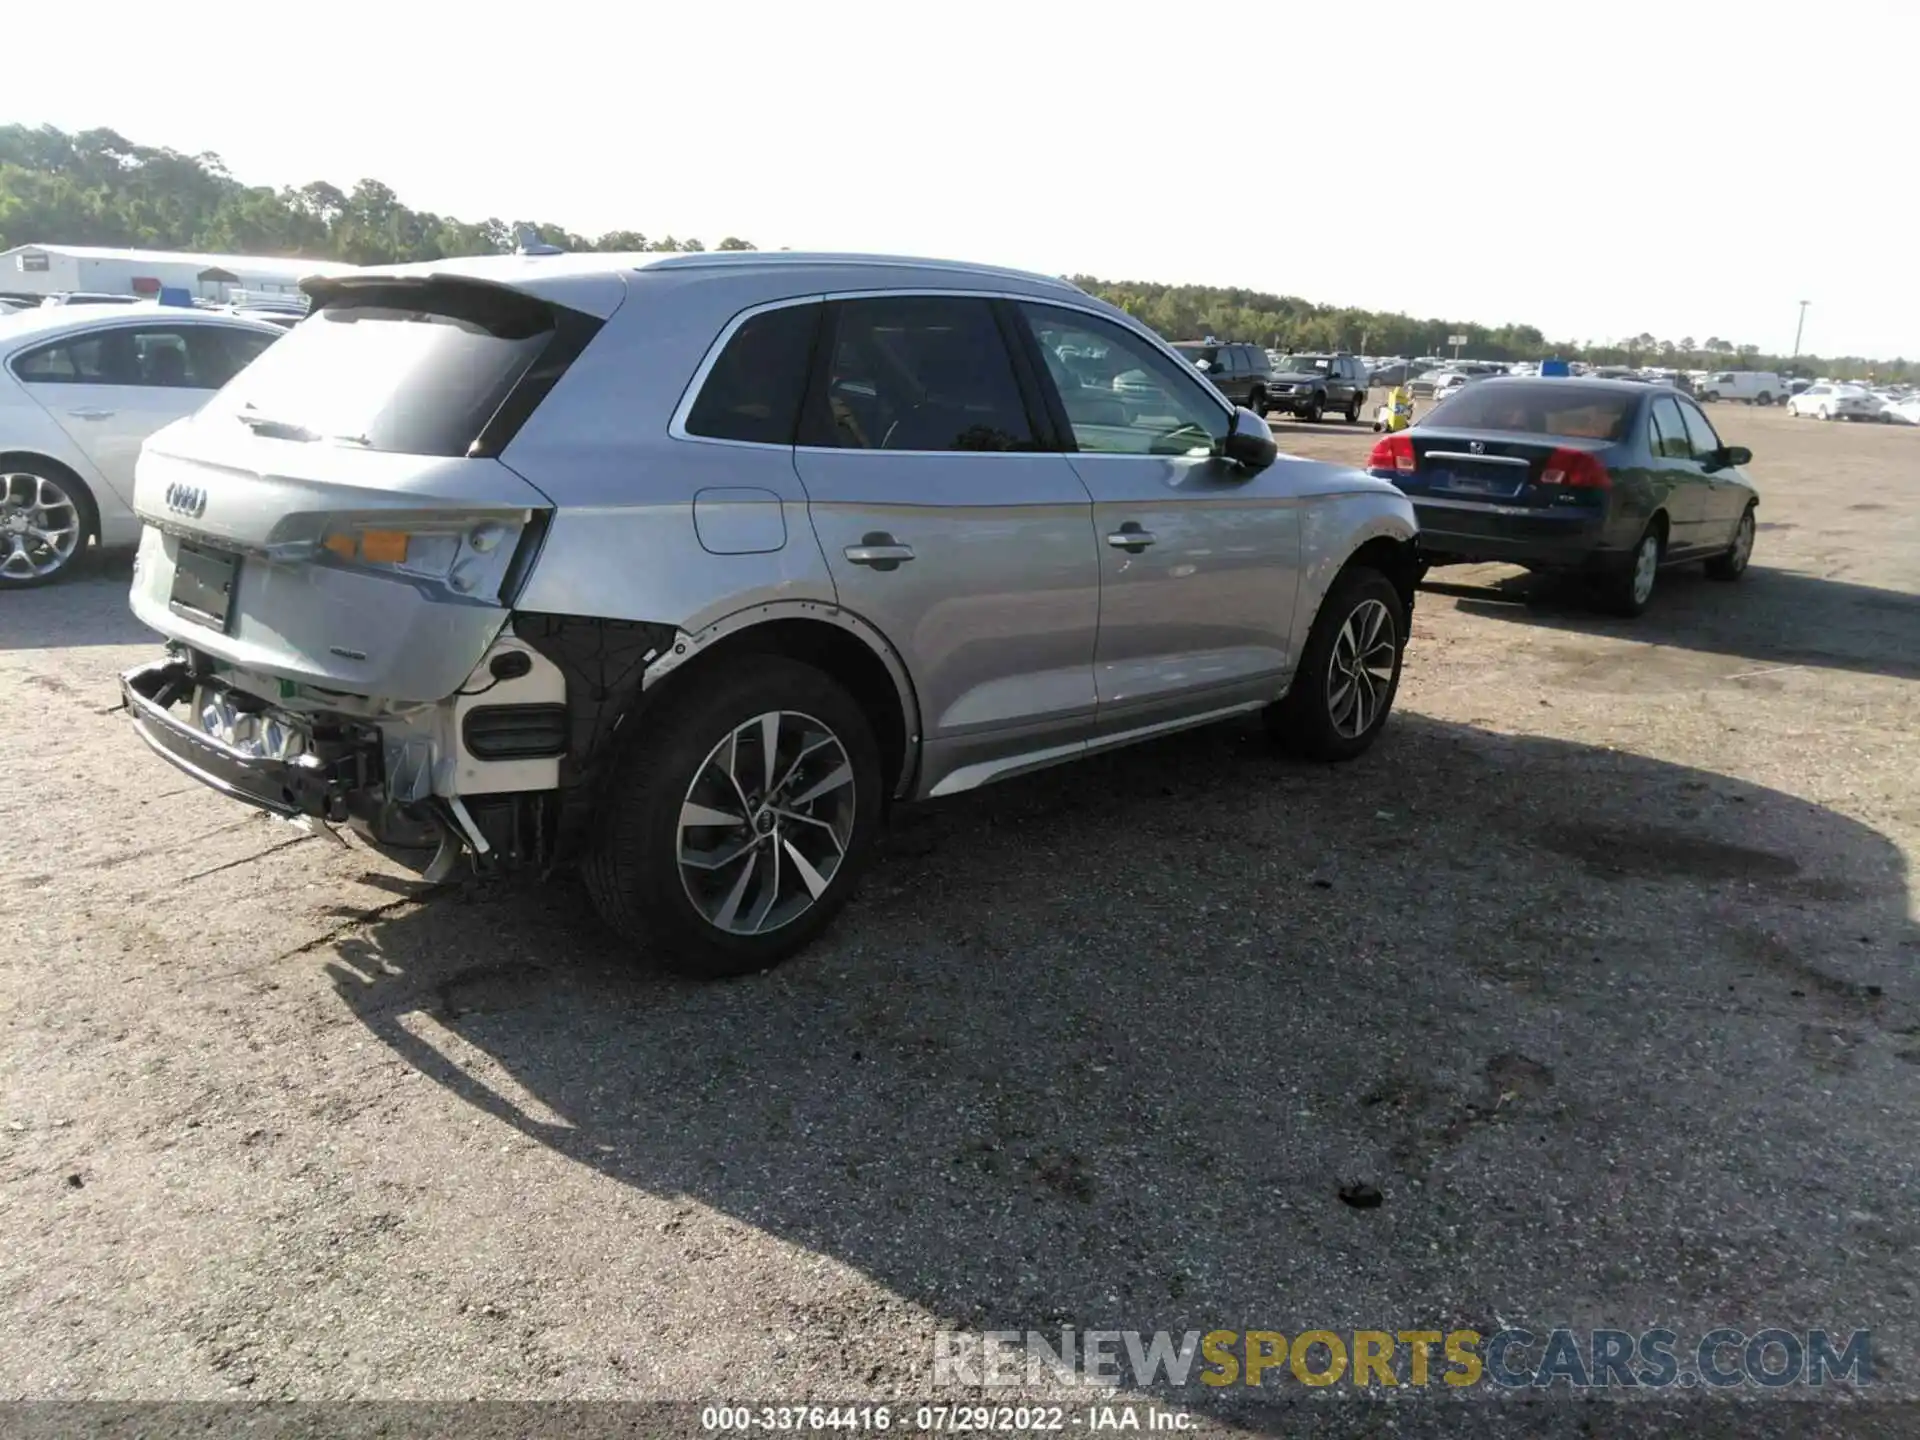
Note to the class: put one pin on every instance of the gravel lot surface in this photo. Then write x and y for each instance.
(1600, 968)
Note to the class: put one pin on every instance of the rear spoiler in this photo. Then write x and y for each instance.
(519, 280)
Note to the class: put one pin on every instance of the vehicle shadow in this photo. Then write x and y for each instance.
(1771, 617)
(1102, 1047)
(88, 609)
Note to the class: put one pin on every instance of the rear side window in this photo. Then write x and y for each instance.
(1670, 431)
(414, 367)
(1571, 408)
(167, 357)
(917, 372)
(755, 388)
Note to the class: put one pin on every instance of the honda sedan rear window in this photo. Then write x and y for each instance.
(1552, 407)
(417, 369)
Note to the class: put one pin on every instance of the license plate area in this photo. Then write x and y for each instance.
(1461, 482)
(203, 583)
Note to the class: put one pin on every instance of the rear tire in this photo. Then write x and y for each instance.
(1257, 402)
(47, 516)
(1353, 410)
(1733, 564)
(1630, 591)
(1349, 672)
(704, 753)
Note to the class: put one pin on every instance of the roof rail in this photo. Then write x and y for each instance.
(703, 259)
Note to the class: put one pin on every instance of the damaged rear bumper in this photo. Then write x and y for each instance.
(311, 770)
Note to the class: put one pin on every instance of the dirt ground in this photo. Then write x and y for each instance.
(1600, 968)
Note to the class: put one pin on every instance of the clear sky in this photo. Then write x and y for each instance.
(1689, 168)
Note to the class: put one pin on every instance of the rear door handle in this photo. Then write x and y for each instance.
(91, 414)
(1131, 538)
(879, 551)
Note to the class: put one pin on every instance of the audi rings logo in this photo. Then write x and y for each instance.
(187, 500)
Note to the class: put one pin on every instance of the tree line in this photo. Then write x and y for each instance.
(99, 188)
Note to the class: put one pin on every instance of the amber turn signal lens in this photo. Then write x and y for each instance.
(384, 547)
(341, 545)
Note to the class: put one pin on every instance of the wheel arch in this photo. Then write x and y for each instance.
(837, 641)
(1395, 557)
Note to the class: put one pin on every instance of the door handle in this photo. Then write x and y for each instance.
(1131, 538)
(879, 551)
(91, 414)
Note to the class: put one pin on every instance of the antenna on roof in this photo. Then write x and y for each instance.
(526, 241)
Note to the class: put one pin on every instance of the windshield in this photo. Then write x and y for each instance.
(1305, 364)
(1208, 353)
(421, 378)
(1550, 407)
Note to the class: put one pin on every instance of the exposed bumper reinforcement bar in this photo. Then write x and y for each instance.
(317, 783)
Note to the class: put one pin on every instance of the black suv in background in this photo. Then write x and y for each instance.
(1311, 385)
(1239, 372)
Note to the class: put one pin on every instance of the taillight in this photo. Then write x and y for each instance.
(1393, 452)
(1575, 469)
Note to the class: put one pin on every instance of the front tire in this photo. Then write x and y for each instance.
(1733, 564)
(1353, 410)
(46, 517)
(1257, 402)
(1349, 672)
(736, 828)
(1311, 411)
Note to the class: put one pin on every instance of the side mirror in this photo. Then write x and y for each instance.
(1249, 441)
(1736, 455)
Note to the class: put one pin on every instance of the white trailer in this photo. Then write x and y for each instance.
(36, 271)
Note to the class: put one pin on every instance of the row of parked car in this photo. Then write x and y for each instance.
(493, 568)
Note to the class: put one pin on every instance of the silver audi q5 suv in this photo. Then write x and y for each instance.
(681, 568)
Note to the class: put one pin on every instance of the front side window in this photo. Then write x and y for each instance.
(917, 372)
(242, 348)
(1122, 396)
(756, 387)
(1700, 435)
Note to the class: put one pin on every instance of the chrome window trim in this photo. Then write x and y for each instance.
(677, 425)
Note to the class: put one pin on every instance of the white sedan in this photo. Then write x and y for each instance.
(1903, 411)
(80, 388)
(1835, 402)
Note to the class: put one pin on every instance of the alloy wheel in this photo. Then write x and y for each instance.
(766, 823)
(1360, 670)
(1743, 542)
(39, 526)
(1646, 564)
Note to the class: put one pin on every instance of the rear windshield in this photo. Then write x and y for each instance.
(417, 369)
(1569, 407)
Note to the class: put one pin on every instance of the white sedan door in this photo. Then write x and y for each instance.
(111, 388)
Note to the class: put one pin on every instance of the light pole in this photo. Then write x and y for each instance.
(1797, 329)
